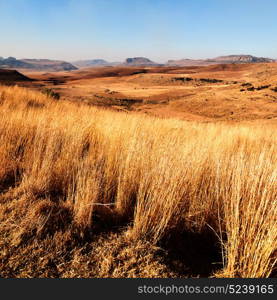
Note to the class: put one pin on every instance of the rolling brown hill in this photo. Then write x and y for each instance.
(221, 92)
(8, 76)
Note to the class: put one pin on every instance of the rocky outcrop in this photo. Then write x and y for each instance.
(242, 59)
(229, 59)
(140, 61)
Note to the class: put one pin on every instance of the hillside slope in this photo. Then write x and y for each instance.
(36, 64)
(7, 76)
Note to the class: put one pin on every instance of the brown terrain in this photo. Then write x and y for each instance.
(135, 171)
(222, 92)
(12, 76)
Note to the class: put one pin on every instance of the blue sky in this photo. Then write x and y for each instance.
(116, 29)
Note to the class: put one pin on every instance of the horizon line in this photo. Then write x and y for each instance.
(119, 61)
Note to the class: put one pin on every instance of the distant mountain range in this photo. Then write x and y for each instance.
(58, 65)
(133, 61)
(36, 64)
(143, 61)
(229, 59)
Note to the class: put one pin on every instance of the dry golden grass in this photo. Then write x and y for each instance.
(70, 168)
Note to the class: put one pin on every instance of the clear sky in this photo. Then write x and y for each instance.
(157, 29)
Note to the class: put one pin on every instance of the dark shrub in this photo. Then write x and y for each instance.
(263, 87)
(247, 84)
(50, 93)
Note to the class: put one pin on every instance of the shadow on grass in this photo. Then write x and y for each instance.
(193, 254)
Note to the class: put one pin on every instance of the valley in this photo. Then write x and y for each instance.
(228, 92)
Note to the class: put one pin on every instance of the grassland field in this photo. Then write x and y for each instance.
(133, 172)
